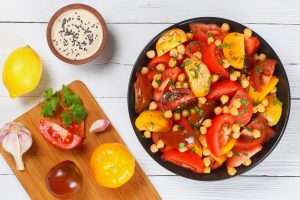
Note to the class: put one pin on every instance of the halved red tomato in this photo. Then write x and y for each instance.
(202, 31)
(164, 59)
(212, 58)
(187, 159)
(63, 138)
(142, 92)
(251, 45)
(241, 156)
(195, 46)
(158, 92)
(214, 135)
(262, 73)
(225, 87)
(246, 109)
(171, 73)
(170, 100)
(245, 142)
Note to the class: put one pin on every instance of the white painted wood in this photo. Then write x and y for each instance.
(174, 187)
(267, 11)
(126, 42)
(284, 161)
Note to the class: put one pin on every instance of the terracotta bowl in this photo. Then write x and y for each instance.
(57, 14)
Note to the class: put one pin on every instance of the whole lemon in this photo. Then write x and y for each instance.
(22, 71)
(112, 165)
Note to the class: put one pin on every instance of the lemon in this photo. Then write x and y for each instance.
(22, 71)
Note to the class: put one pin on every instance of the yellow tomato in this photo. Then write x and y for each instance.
(112, 165)
(152, 121)
(258, 96)
(22, 71)
(228, 146)
(273, 110)
(169, 40)
(234, 49)
(199, 76)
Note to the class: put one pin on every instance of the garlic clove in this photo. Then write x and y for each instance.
(99, 125)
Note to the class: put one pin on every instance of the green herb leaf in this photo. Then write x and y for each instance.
(67, 118)
(78, 112)
(48, 93)
(181, 145)
(50, 105)
(70, 97)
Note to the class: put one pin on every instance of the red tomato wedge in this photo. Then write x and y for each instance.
(158, 92)
(213, 60)
(202, 31)
(225, 87)
(171, 73)
(195, 46)
(142, 92)
(61, 137)
(214, 133)
(164, 59)
(241, 156)
(251, 45)
(186, 159)
(246, 109)
(260, 123)
(262, 73)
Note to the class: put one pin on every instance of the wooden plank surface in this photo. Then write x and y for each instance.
(132, 24)
(43, 156)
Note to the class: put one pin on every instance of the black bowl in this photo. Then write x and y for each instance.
(283, 93)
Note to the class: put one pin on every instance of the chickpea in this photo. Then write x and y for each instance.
(234, 111)
(206, 170)
(181, 49)
(192, 111)
(150, 54)
(260, 108)
(185, 113)
(256, 133)
(157, 77)
(153, 148)
(153, 105)
(231, 171)
(168, 114)
(247, 162)
(224, 99)
(179, 57)
(265, 102)
(236, 128)
(206, 152)
(172, 62)
(225, 27)
(189, 36)
(245, 83)
(186, 85)
(247, 32)
(226, 110)
(226, 64)
(177, 116)
(179, 84)
(145, 70)
(198, 55)
(155, 84)
(147, 134)
(201, 100)
(181, 77)
(218, 42)
(210, 40)
(218, 110)
(160, 67)
(229, 154)
(206, 161)
(176, 128)
(237, 103)
(236, 135)
(160, 144)
(233, 77)
(207, 123)
(173, 53)
(262, 57)
(215, 77)
(203, 130)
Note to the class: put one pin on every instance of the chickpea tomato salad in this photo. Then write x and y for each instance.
(207, 98)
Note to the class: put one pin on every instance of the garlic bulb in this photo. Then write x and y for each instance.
(16, 139)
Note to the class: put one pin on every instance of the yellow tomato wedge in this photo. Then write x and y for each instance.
(273, 110)
(199, 76)
(169, 40)
(112, 165)
(153, 121)
(197, 149)
(228, 146)
(234, 49)
(258, 96)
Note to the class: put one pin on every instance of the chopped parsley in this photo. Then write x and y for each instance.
(223, 46)
(51, 103)
(181, 145)
(244, 102)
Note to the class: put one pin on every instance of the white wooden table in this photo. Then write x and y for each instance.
(132, 23)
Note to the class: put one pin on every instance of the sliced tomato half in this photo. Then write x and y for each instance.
(202, 31)
(246, 109)
(213, 60)
(61, 137)
(142, 92)
(214, 135)
(195, 46)
(262, 73)
(225, 87)
(251, 45)
(242, 155)
(164, 59)
(186, 159)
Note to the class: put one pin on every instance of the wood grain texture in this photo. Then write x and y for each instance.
(42, 156)
(158, 11)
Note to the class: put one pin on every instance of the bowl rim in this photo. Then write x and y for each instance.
(58, 13)
(180, 171)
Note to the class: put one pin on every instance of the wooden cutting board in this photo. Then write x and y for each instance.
(43, 156)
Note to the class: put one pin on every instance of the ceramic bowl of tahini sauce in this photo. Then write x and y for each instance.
(76, 34)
